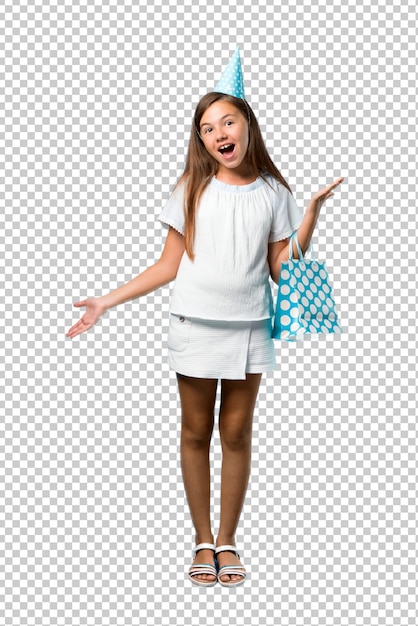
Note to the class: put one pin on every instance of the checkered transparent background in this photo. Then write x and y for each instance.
(96, 105)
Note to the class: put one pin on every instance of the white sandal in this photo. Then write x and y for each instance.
(230, 569)
(203, 568)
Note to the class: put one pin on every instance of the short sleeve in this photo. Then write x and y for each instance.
(287, 216)
(172, 213)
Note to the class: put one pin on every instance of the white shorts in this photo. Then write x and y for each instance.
(218, 349)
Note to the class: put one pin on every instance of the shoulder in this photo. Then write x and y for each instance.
(175, 196)
(274, 188)
(172, 213)
(273, 183)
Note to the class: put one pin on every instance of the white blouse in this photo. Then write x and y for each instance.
(229, 277)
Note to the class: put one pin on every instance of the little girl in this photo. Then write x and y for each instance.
(229, 221)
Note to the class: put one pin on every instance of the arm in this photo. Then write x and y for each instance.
(157, 275)
(274, 257)
(279, 250)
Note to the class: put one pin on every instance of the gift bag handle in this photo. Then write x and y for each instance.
(294, 236)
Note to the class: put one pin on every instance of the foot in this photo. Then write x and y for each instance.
(205, 556)
(228, 558)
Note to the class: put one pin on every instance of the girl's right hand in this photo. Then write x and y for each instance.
(94, 309)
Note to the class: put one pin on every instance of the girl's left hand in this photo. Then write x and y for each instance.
(319, 197)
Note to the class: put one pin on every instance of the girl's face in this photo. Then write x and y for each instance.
(224, 132)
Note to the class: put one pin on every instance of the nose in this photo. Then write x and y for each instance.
(220, 134)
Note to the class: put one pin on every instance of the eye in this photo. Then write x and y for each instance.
(229, 122)
(207, 130)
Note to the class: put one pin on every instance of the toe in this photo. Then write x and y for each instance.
(230, 578)
(205, 577)
(200, 576)
(226, 578)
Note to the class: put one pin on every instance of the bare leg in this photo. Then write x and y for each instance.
(238, 400)
(197, 396)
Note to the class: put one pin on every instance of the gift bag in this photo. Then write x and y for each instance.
(305, 303)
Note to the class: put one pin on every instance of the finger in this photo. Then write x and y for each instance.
(73, 332)
(82, 303)
(78, 328)
(336, 183)
(79, 324)
(325, 197)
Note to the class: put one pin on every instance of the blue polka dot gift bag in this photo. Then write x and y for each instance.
(305, 304)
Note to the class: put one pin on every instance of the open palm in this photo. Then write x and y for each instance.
(94, 309)
(320, 196)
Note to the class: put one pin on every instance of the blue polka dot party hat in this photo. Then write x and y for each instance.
(231, 81)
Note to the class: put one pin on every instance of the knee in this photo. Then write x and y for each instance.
(235, 438)
(196, 435)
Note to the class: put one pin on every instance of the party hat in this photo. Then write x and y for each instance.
(231, 81)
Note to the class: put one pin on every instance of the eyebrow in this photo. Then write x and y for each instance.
(222, 118)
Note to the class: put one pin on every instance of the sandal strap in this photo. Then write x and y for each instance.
(228, 549)
(231, 569)
(202, 568)
(203, 546)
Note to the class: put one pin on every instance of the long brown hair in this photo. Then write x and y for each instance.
(201, 166)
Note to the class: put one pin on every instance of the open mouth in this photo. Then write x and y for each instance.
(227, 149)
